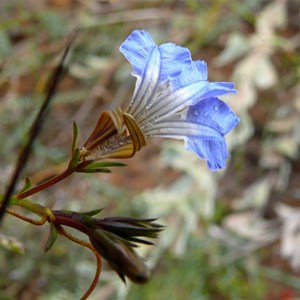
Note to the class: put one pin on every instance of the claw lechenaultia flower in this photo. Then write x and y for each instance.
(172, 99)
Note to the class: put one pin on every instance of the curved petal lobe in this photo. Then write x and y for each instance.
(175, 59)
(214, 113)
(197, 71)
(136, 48)
(214, 151)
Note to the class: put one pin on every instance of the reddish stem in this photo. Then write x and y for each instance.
(67, 220)
(85, 244)
(45, 184)
(97, 274)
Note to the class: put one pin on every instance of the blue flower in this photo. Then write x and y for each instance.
(173, 98)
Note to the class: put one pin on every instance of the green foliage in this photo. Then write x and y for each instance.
(75, 138)
(98, 167)
(11, 244)
(27, 185)
(52, 237)
(5, 45)
(201, 274)
(53, 22)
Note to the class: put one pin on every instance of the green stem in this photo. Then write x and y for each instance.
(45, 184)
(31, 206)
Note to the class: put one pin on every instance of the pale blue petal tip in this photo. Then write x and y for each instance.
(137, 48)
(175, 59)
(214, 113)
(195, 72)
(213, 151)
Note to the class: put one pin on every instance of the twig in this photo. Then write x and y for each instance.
(45, 184)
(97, 255)
(36, 127)
(49, 216)
(40, 222)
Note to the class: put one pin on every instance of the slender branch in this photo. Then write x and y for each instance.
(45, 184)
(42, 221)
(97, 255)
(35, 128)
(49, 216)
(97, 274)
(44, 212)
(33, 207)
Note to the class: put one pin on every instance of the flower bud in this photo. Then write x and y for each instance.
(115, 238)
(120, 256)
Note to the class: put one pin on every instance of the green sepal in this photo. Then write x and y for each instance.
(13, 200)
(99, 167)
(75, 138)
(96, 171)
(75, 160)
(52, 237)
(27, 185)
(91, 213)
(102, 165)
(105, 164)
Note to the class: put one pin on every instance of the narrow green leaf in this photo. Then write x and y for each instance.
(104, 164)
(75, 138)
(98, 170)
(91, 213)
(75, 159)
(27, 185)
(101, 165)
(52, 237)
(13, 200)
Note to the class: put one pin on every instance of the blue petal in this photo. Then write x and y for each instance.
(215, 89)
(190, 94)
(146, 86)
(136, 48)
(214, 151)
(175, 59)
(174, 127)
(214, 113)
(172, 101)
(197, 71)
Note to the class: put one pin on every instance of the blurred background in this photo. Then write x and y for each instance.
(233, 234)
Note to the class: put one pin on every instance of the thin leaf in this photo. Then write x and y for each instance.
(98, 167)
(36, 126)
(105, 164)
(13, 200)
(75, 137)
(75, 160)
(92, 213)
(27, 185)
(99, 170)
(52, 237)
